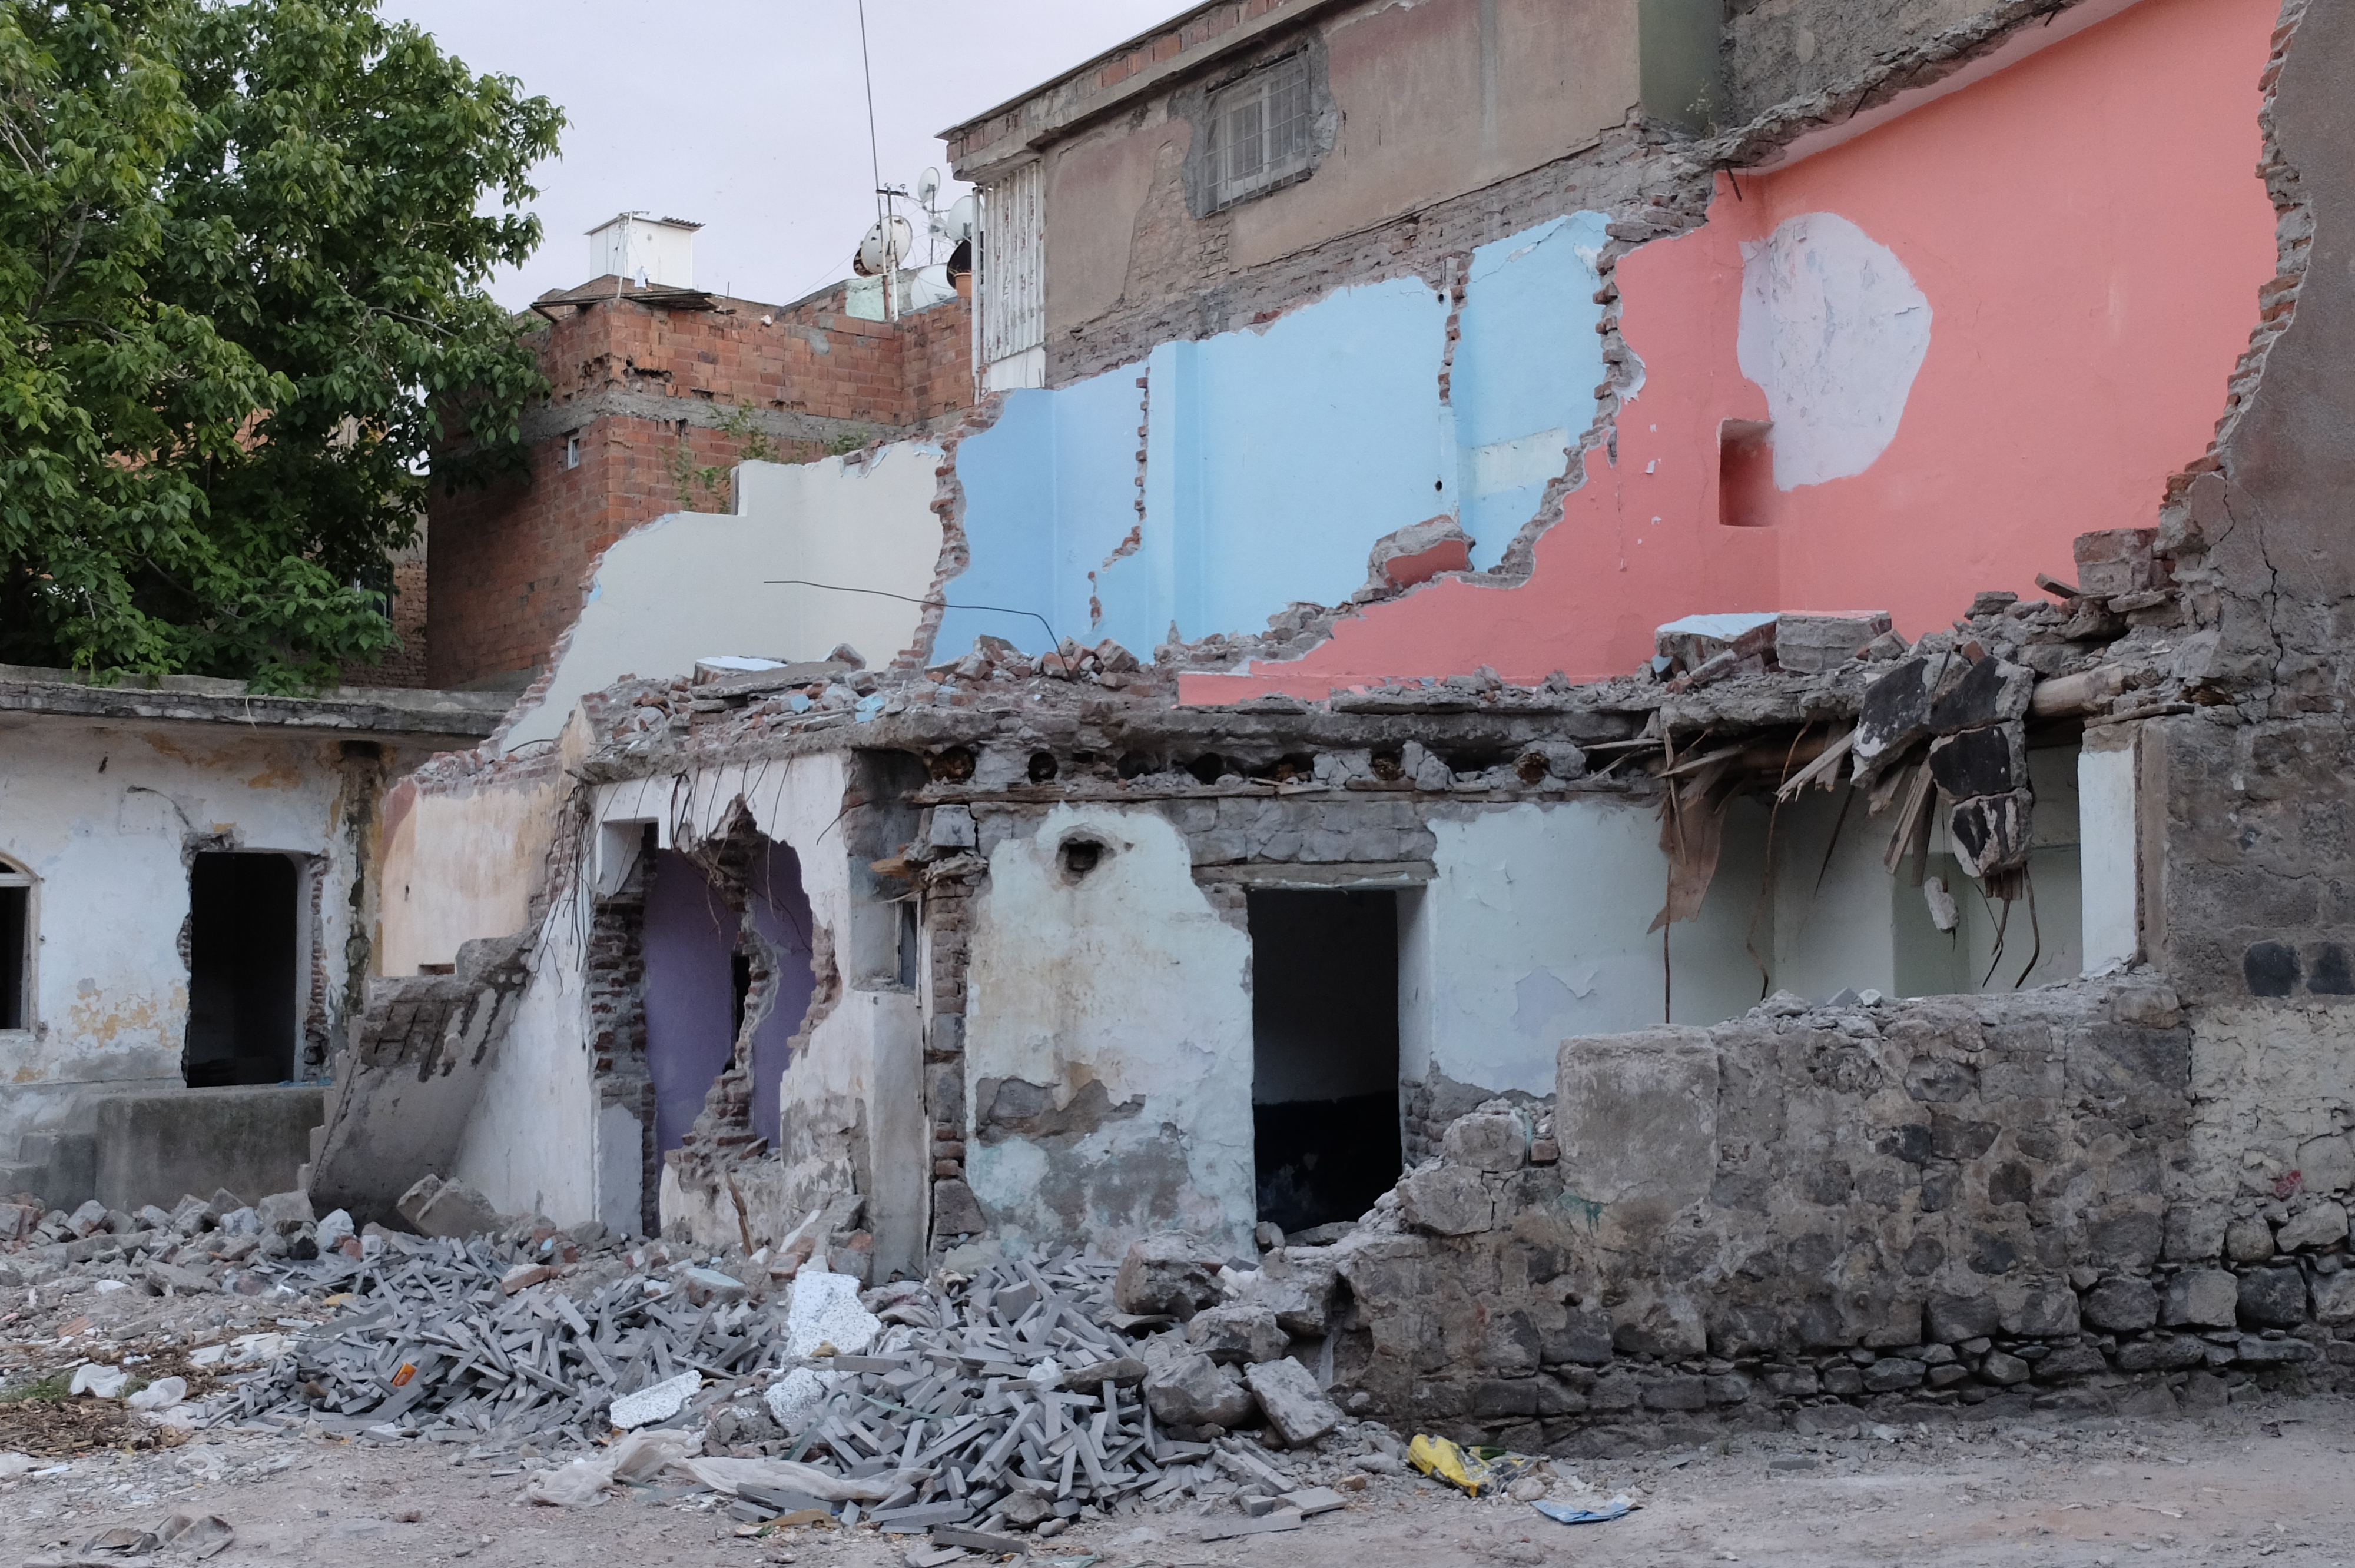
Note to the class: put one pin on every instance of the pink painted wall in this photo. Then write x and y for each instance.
(2090, 235)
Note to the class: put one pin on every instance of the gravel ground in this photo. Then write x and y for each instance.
(2261, 1480)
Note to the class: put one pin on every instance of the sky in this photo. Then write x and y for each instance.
(750, 118)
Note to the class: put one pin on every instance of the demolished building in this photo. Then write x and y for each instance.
(1675, 699)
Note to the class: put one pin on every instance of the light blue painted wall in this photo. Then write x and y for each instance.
(1277, 456)
(1528, 360)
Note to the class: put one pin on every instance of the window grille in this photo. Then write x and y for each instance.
(1258, 129)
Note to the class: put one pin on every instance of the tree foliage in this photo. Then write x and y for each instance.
(242, 258)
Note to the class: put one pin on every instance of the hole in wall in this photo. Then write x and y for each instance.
(1387, 765)
(243, 969)
(954, 765)
(1746, 473)
(1325, 1053)
(1077, 857)
(1042, 766)
(1209, 768)
(1135, 765)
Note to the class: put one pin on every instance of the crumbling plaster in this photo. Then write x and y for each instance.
(1121, 993)
(851, 1111)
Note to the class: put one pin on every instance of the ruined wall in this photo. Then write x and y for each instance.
(464, 854)
(694, 585)
(1802, 1217)
(1776, 51)
(107, 818)
(643, 392)
(1881, 490)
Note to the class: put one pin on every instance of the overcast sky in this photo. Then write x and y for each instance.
(750, 117)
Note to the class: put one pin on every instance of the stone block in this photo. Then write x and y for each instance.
(1683, 1392)
(1190, 1391)
(2256, 1351)
(2248, 1240)
(1237, 1335)
(1844, 1380)
(2202, 1299)
(280, 1214)
(955, 1211)
(2003, 1369)
(2067, 1362)
(1954, 1318)
(2334, 1297)
(2273, 1298)
(1492, 1140)
(2039, 1310)
(1636, 1116)
(1165, 1274)
(1447, 1199)
(1294, 1405)
(2166, 1352)
(2121, 1306)
(1893, 1373)
(2195, 1232)
(2319, 1224)
(1579, 1338)
(1807, 644)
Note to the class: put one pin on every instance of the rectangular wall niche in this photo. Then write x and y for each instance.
(243, 963)
(15, 948)
(1324, 1053)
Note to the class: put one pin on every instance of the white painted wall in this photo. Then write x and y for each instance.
(2108, 845)
(1535, 928)
(692, 584)
(98, 813)
(1126, 977)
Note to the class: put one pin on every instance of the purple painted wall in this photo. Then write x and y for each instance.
(690, 942)
(781, 914)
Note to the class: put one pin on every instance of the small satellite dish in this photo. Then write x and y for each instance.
(955, 226)
(928, 185)
(883, 248)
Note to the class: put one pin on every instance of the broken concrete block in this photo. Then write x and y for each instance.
(1294, 1405)
(438, 1208)
(1991, 833)
(1447, 1199)
(1237, 1335)
(1416, 553)
(1991, 691)
(223, 1201)
(952, 828)
(1693, 641)
(1990, 760)
(1809, 641)
(1123, 1372)
(2202, 1299)
(706, 1285)
(658, 1402)
(87, 1220)
(1190, 1391)
(1296, 1285)
(165, 1279)
(1164, 1274)
(2320, 1225)
(825, 1311)
(2114, 561)
(1495, 1140)
(1896, 709)
(280, 1214)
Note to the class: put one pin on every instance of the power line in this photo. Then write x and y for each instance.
(1056, 642)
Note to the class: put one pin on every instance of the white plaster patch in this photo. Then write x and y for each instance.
(1833, 330)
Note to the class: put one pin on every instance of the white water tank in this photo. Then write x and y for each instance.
(630, 243)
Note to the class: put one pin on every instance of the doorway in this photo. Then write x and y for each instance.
(243, 961)
(1325, 1053)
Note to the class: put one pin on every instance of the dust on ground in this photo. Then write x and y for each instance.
(2260, 1481)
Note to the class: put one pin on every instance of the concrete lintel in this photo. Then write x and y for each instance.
(1322, 878)
(459, 718)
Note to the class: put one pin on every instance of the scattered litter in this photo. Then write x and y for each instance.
(97, 1380)
(1473, 1471)
(1618, 1507)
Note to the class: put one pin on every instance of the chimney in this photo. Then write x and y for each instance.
(630, 243)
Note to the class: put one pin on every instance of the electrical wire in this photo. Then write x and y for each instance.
(875, 162)
(929, 603)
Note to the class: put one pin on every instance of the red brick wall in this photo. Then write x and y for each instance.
(509, 562)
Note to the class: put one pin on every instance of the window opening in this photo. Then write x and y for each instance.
(1324, 1053)
(692, 1005)
(15, 948)
(1259, 128)
(572, 451)
(243, 969)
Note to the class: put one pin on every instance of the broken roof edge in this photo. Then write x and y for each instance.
(204, 699)
(1946, 62)
(1146, 78)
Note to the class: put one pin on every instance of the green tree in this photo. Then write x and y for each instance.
(242, 296)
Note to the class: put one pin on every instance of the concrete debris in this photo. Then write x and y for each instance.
(1164, 1274)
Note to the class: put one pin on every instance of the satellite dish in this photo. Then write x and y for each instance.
(883, 248)
(955, 226)
(928, 185)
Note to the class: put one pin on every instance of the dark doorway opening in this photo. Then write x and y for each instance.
(243, 970)
(16, 954)
(1324, 1053)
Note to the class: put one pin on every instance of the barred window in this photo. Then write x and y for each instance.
(1259, 128)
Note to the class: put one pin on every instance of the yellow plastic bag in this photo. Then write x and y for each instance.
(1476, 1472)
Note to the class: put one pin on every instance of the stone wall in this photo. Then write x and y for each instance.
(1808, 1217)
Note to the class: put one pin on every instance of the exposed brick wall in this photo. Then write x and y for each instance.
(643, 390)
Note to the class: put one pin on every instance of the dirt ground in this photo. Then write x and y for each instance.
(2264, 1480)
